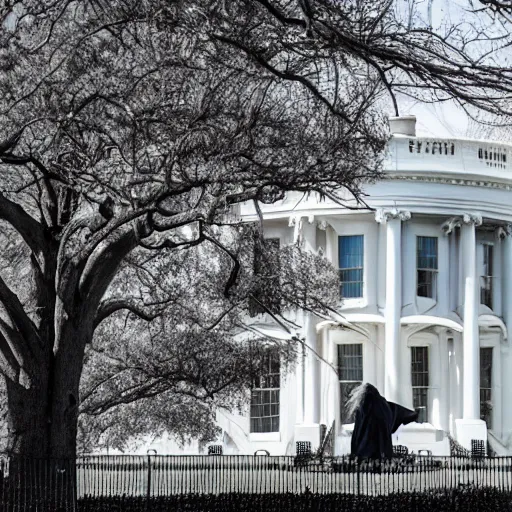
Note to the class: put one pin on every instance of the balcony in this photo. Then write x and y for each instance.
(462, 157)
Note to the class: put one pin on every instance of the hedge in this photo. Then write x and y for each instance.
(488, 499)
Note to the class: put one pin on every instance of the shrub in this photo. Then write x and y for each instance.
(440, 501)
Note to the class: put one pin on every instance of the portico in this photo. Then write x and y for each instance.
(425, 298)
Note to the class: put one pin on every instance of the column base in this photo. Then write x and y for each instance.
(308, 432)
(466, 430)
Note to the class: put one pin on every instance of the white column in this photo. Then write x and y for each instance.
(507, 283)
(452, 387)
(506, 356)
(393, 300)
(444, 383)
(436, 383)
(312, 381)
(443, 278)
(381, 265)
(451, 291)
(300, 383)
(471, 398)
(393, 309)
(409, 270)
(454, 266)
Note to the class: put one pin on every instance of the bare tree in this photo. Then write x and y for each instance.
(192, 353)
(124, 121)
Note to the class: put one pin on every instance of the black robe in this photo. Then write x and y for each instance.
(375, 420)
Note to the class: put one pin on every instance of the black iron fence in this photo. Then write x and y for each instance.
(59, 484)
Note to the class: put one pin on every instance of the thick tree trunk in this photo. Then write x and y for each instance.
(28, 418)
(43, 418)
(43, 427)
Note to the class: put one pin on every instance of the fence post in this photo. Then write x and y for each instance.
(148, 497)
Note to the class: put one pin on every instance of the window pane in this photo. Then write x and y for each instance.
(351, 257)
(485, 367)
(350, 370)
(420, 381)
(351, 251)
(486, 280)
(427, 252)
(426, 283)
(486, 385)
(350, 361)
(420, 403)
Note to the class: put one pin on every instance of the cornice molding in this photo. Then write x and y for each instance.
(450, 181)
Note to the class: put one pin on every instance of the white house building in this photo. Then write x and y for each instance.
(427, 299)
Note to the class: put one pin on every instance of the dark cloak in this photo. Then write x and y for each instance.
(375, 420)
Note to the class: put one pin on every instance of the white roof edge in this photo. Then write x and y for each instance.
(456, 139)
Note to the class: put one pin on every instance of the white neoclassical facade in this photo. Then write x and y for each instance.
(427, 300)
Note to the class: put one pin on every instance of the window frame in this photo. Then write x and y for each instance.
(422, 389)
(486, 394)
(432, 271)
(360, 267)
(266, 384)
(351, 382)
(486, 279)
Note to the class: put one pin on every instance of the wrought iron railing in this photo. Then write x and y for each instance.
(62, 485)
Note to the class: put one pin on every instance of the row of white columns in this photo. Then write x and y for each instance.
(309, 405)
(471, 288)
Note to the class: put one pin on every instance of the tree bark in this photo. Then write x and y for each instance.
(43, 426)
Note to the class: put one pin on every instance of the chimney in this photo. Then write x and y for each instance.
(403, 125)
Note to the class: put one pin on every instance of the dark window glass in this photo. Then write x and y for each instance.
(351, 257)
(350, 371)
(486, 385)
(486, 280)
(426, 263)
(420, 381)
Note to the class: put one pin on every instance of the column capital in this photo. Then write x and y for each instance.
(382, 215)
(449, 225)
(501, 232)
(322, 225)
(472, 218)
(295, 220)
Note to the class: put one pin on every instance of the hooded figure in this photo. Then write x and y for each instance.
(375, 420)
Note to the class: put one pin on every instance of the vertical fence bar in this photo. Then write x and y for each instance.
(148, 487)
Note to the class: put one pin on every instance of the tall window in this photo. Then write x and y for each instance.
(350, 371)
(419, 377)
(351, 254)
(426, 263)
(485, 385)
(486, 278)
(265, 395)
(267, 268)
